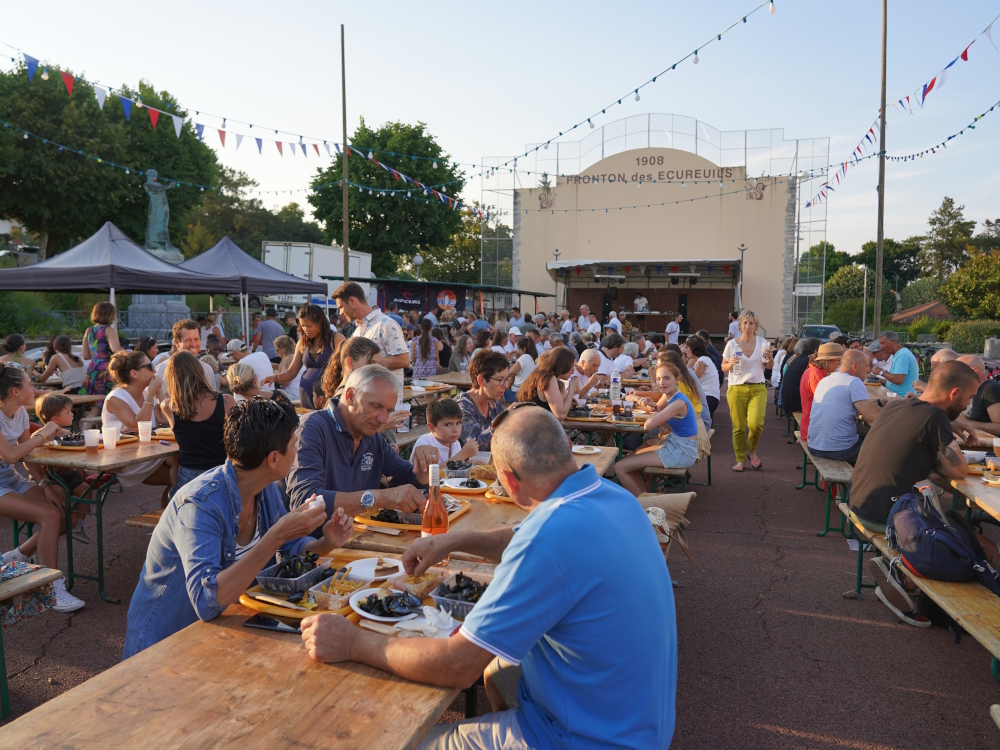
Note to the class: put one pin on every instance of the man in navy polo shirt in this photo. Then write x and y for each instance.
(589, 677)
(342, 457)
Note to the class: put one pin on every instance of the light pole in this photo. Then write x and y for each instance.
(864, 304)
(555, 254)
(418, 260)
(742, 248)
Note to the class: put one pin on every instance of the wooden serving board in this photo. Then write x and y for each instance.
(264, 608)
(121, 441)
(977, 469)
(586, 419)
(490, 495)
(169, 437)
(466, 505)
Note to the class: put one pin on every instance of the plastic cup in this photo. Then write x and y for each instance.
(92, 438)
(404, 426)
(996, 446)
(110, 438)
(145, 432)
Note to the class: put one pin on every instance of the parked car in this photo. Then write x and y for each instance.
(823, 333)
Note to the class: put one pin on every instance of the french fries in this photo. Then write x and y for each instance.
(340, 586)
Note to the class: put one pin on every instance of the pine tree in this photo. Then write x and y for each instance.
(944, 249)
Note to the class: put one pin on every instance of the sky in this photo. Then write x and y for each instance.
(487, 79)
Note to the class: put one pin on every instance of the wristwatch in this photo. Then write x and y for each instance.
(367, 500)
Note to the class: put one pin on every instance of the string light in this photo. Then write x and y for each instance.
(695, 60)
(45, 74)
(772, 10)
(636, 97)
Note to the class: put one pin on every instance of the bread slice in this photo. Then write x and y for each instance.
(385, 567)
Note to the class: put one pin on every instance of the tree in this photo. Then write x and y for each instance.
(460, 261)
(921, 291)
(900, 261)
(945, 247)
(230, 212)
(991, 228)
(847, 285)
(812, 260)
(973, 291)
(393, 228)
(54, 192)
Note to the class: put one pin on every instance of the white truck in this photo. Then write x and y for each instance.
(308, 260)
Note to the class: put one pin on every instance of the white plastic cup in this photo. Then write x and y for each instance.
(404, 426)
(92, 438)
(110, 438)
(145, 432)
(996, 446)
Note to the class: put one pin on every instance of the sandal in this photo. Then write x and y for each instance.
(757, 466)
(739, 466)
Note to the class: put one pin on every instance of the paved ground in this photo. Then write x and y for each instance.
(771, 655)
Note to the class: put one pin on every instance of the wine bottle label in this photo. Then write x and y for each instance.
(435, 478)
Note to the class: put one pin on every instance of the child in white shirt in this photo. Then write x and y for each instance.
(444, 417)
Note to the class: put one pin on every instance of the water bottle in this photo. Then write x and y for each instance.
(616, 385)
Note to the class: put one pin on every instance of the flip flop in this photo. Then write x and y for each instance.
(739, 469)
(757, 466)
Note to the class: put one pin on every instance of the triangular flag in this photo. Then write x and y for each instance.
(201, 130)
(154, 115)
(126, 106)
(291, 149)
(627, 269)
(336, 146)
(260, 145)
(316, 146)
(578, 269)
(658, 269)
(942, 77)
(725, 269)
(278, 144)
(989, 35)
(32, 63)
(611, 270)
(709, 269)
(303, 148)
(965, 52)
(68, 80)
(327, 147)
(239, 140)
(101, 94)
(178, 123)
(222, 137)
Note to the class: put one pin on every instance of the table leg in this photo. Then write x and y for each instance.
(4, 694)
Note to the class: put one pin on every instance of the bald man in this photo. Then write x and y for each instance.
(984, 411)
(839, 398)
(940, 356)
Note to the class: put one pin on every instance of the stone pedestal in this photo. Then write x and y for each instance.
(155, 314)
(991, 349)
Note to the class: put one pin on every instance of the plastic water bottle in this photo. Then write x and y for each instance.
(616, 385)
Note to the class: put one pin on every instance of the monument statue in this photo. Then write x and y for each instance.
(158, 219)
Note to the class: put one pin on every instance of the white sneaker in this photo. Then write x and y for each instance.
(15, 555)
(80, 535)
(65, 601)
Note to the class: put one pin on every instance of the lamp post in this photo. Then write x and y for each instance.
(742, 248)
(864, 304)
(555, 254)
(418, 260)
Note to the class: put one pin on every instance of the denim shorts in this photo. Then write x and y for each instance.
(678, 452)
(185, 475)
(11, 481)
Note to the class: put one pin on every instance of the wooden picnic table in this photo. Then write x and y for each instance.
(484, 515)
(982, 494)
(457, 379)
(618, 429)
(104, 464)
(218, 684)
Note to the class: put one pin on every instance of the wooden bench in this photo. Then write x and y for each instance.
(834, 473)
(406, 440)
(677, 478)
(10, 592)
(145, 521)
(974, 607)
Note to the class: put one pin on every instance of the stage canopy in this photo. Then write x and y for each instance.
(111, 261)
(225, 258)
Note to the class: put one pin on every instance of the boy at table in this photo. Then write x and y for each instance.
(224, 527)
(587, 673)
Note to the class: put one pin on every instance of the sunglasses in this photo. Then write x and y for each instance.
(148, 364)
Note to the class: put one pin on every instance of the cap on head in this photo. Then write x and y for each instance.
(514, 331)
(235, 345)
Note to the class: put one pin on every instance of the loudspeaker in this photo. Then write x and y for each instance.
(613, 293)
(682, 308)
(607, 305)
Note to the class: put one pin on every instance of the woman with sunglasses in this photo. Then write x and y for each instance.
(482, 403)
(136, 383)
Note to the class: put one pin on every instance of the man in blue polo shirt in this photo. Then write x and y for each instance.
(904, 370)
(342, 457)
(592, 675)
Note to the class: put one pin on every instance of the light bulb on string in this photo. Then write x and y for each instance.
(546, 147)
(695, 61)
(434, 165)
(591, 124)
(25, 136)
(138, 102)
(771, 9)
(45, 74)
(637, 94)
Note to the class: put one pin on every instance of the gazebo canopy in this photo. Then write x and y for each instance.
(225, 258)
(110, 260)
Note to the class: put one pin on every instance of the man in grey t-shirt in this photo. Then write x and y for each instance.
(840, 397)
(270, 329)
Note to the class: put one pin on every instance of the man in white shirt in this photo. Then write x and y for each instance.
(734, 327)
(588, 374)
(187, 336)
(259, 361)
(375, 326)
(432, 318)
(516, 319)
(641, 303)
(593, 326)
(566, 327)
(613, 322)
(545, 343)
(513, 336)
(584, 320)
(612, 357)
(674, 329)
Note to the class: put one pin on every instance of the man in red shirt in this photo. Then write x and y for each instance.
(826, 360)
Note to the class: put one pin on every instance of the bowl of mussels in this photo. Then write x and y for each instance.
(458, 594)
(294, 573)
(386, 605)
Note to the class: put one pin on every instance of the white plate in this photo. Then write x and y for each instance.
(364, 594)
(364, 569)
(456, 484)
(586, 450)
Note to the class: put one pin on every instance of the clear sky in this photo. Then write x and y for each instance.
(489, 78)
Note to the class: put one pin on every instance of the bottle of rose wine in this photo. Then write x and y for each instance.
(435, 516)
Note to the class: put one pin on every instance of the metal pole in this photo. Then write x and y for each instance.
(864, 305)
(556, 254)
(482, 214)
(742, 248)
(876, 324)
(347, 216)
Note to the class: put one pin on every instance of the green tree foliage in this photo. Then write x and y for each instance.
(59, 195)
(231, 212)
(900, 260)
(812, 260)
(392, 229)
(969, 337)
(921, 291)
(944, 248)
(847, 284)
(460, 261)
(973, 291)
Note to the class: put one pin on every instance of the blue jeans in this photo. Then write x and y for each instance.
(185, 475)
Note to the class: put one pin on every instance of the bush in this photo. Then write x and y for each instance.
(921, 291)
(973, 291)
(969, 337)
(920, 325)
(845, 315)
(14, 313)
(941, 328)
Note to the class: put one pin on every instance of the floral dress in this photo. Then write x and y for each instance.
(425, 368)
(97, 377)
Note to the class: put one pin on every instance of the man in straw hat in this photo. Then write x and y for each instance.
(822, 363)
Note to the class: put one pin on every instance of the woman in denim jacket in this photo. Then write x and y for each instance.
(223, 528)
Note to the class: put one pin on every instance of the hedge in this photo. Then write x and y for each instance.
(969, 337)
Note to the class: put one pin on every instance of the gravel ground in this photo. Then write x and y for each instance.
(770, 654)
